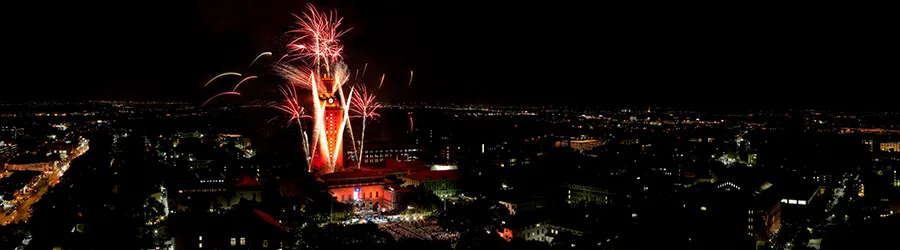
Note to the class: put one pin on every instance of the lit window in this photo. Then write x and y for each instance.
(201, 237)
(265, 243)
(200, 245)
(233, 241)
(243, 241)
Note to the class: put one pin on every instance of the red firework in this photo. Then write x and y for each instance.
(363, 103)
(317, 38)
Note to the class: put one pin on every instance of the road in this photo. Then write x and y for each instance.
(22, 211)
(5, 174)
(844, 194)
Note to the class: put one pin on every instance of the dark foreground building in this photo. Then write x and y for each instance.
(237, 229)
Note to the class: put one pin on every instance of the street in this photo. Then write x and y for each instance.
(22, 211)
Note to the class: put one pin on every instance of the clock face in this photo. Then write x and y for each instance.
(330, 100)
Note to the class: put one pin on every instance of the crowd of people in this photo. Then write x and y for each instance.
(418, 228)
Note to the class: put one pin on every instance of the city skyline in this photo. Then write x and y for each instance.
(352, 124)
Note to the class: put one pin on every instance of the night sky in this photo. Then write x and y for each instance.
(464, 51)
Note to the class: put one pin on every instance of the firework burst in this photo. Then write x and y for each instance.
(316, 43)
(363, 105)
(293, 109)
(317, 38)
(313, 64)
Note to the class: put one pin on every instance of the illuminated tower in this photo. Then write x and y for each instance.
(330, 129)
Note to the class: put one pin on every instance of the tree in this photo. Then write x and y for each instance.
(478, 223)
(483, 240)
(422, 201)
(792, 235)
(153, 209)
(12, 235)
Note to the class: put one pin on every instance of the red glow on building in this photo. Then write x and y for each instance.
(360, 188)
(333, 120)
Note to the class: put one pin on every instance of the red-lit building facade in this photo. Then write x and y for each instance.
(364, 189)
(328, 157)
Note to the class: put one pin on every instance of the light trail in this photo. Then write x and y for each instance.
(242, 81)
(218, 95)
(345, 105)
(318, 122)
(350, 130)
(257, 58)
(366, 66)
(410, 78)
(221, 75)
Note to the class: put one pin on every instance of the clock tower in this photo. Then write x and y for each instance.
(329, 158)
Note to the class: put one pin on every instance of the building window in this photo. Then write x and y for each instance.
(265, 243)
(201, 237)
(243, 241)
(376, 194)
(200, 245)
(233, 241)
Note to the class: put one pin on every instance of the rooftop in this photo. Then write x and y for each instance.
(433, 175)
(247, 181)
(351, 175)
(268, 219)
